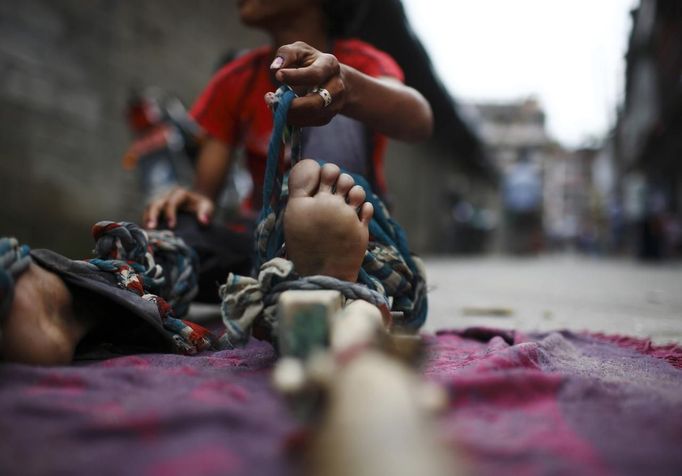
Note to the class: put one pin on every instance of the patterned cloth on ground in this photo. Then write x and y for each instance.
(538, 404)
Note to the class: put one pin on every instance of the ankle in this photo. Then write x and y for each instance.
(41, 327)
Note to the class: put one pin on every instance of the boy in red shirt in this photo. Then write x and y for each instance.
(354, 91)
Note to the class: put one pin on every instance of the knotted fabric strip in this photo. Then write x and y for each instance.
(246, 299)
(14, 260)
(269, 234)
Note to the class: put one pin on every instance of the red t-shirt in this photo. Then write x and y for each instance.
(232, 110)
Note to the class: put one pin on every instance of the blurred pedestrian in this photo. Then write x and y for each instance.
(522, 194)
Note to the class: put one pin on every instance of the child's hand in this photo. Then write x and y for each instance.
(177, 199)
(318, 78)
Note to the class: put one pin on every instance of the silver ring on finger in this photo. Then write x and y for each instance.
(325, 95)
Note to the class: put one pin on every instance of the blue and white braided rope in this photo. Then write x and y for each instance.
(14, 260)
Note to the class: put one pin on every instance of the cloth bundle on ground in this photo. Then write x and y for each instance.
(538, 404)
(390, 277)
(151, 276)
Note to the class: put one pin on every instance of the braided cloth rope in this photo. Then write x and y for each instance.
(14, 260)
(390, 277)
(152, 264)
(270, 228)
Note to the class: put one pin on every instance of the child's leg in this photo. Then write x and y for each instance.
(42, 326)
(326, 221)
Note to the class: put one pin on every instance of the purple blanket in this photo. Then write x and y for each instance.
(557, 403)
(561, 403)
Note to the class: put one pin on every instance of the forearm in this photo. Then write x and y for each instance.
(387, 106)
(212, 167)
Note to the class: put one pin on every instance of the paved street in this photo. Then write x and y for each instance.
(559, 292)
(548, 293)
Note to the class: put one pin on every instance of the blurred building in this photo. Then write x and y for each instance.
(516, 137)
(552, 198)
(648, 138)
(579, 201)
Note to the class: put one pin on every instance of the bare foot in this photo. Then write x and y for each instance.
(41, 327)
(326, 221)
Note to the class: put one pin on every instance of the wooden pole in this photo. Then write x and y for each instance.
(374, 424)
(375, 421)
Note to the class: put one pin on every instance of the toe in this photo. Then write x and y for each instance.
(328, 177)
(356, 196)
(366, 213)
(343, 185)
(304, 178)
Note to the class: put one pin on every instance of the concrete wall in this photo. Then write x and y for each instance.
(66, 69)
(416, 192)
(423, 181)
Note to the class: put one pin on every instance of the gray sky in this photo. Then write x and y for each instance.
(567, 53)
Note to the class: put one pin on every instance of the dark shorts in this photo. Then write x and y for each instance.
(222, 249)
